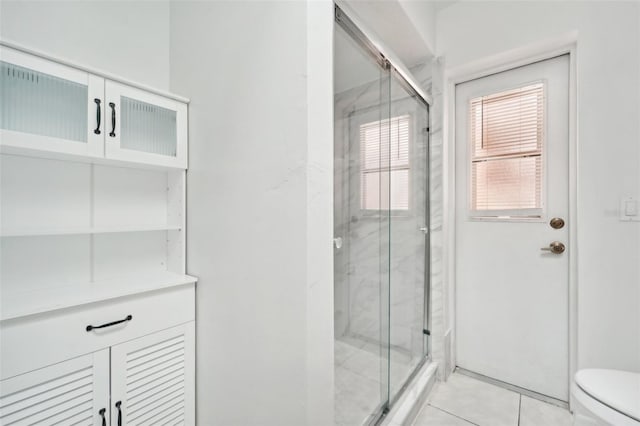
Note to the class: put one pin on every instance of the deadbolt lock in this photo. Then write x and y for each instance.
(557, 223)
(555, 247)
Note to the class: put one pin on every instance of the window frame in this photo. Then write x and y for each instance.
(535, 215)
(363, 119)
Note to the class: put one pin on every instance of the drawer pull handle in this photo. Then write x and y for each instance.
(118, 404)
(104, 420)
(109, 324)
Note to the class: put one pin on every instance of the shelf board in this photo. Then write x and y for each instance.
(32, 232)
(20, 304)
(8, 148)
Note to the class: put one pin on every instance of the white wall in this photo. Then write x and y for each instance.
(422, 15)
(129, 39)
(608, 67)
(259, 206)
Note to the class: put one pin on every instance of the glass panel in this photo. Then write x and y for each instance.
(41, 104)
(361, 262)
(408, 251)
(507, 184)
(148, 128)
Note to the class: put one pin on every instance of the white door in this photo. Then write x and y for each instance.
(73, 392)
(144, 128)
(153, 378)
(512, 157)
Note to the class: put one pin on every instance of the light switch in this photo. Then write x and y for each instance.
(629, 210)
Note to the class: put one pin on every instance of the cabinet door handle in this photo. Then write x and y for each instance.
(98, 116)
(118, 404)
(104, 419)
(113, 119)
(109, 324)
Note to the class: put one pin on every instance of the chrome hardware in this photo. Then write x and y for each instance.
(337, 242)
(557, 223)
(555, 247)
(424, 230)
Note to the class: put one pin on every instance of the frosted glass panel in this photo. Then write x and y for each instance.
(41, 104)
(147, 127)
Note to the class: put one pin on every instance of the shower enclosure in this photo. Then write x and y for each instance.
(381, 223)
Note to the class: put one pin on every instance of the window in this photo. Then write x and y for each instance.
(507, 139)
(384, 149)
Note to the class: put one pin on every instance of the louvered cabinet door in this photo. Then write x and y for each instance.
(73, 392)
(153, 379)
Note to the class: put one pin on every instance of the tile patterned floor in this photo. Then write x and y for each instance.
(358, 383)
(464, 401)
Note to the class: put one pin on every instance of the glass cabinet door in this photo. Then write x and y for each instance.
(144, 127)
(48, 106)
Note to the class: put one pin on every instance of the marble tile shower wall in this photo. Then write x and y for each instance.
(430, 75)
(357, 264)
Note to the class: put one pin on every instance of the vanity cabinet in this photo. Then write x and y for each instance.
(49, 107)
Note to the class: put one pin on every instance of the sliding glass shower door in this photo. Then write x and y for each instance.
(361, 234)
(408, 234)
(380, 229)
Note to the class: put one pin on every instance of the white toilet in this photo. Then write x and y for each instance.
(606, 398)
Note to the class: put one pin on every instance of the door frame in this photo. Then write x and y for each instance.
(566, 44)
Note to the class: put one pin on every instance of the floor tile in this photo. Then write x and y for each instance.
(356, 397)
(366, 363)
(431, 416)
(343, 351)
(536, 413)
(478, 402)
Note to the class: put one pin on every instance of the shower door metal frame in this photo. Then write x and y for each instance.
(374, 47)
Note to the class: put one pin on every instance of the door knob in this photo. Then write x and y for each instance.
(424, 230)
(555, 247)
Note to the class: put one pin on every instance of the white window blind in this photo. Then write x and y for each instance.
(507, 141)
(384, 160)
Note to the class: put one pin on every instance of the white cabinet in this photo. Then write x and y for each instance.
(145, 128)
(75, 392)
(145, 381)
(92, 233)
(48, 107)
(153, 380)
(133, 356)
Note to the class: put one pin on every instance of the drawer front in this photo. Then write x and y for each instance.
(39, 340)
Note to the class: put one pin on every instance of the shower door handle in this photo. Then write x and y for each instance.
(337, 242)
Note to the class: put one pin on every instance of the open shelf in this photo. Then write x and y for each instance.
(20, 304)
(30, 232)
